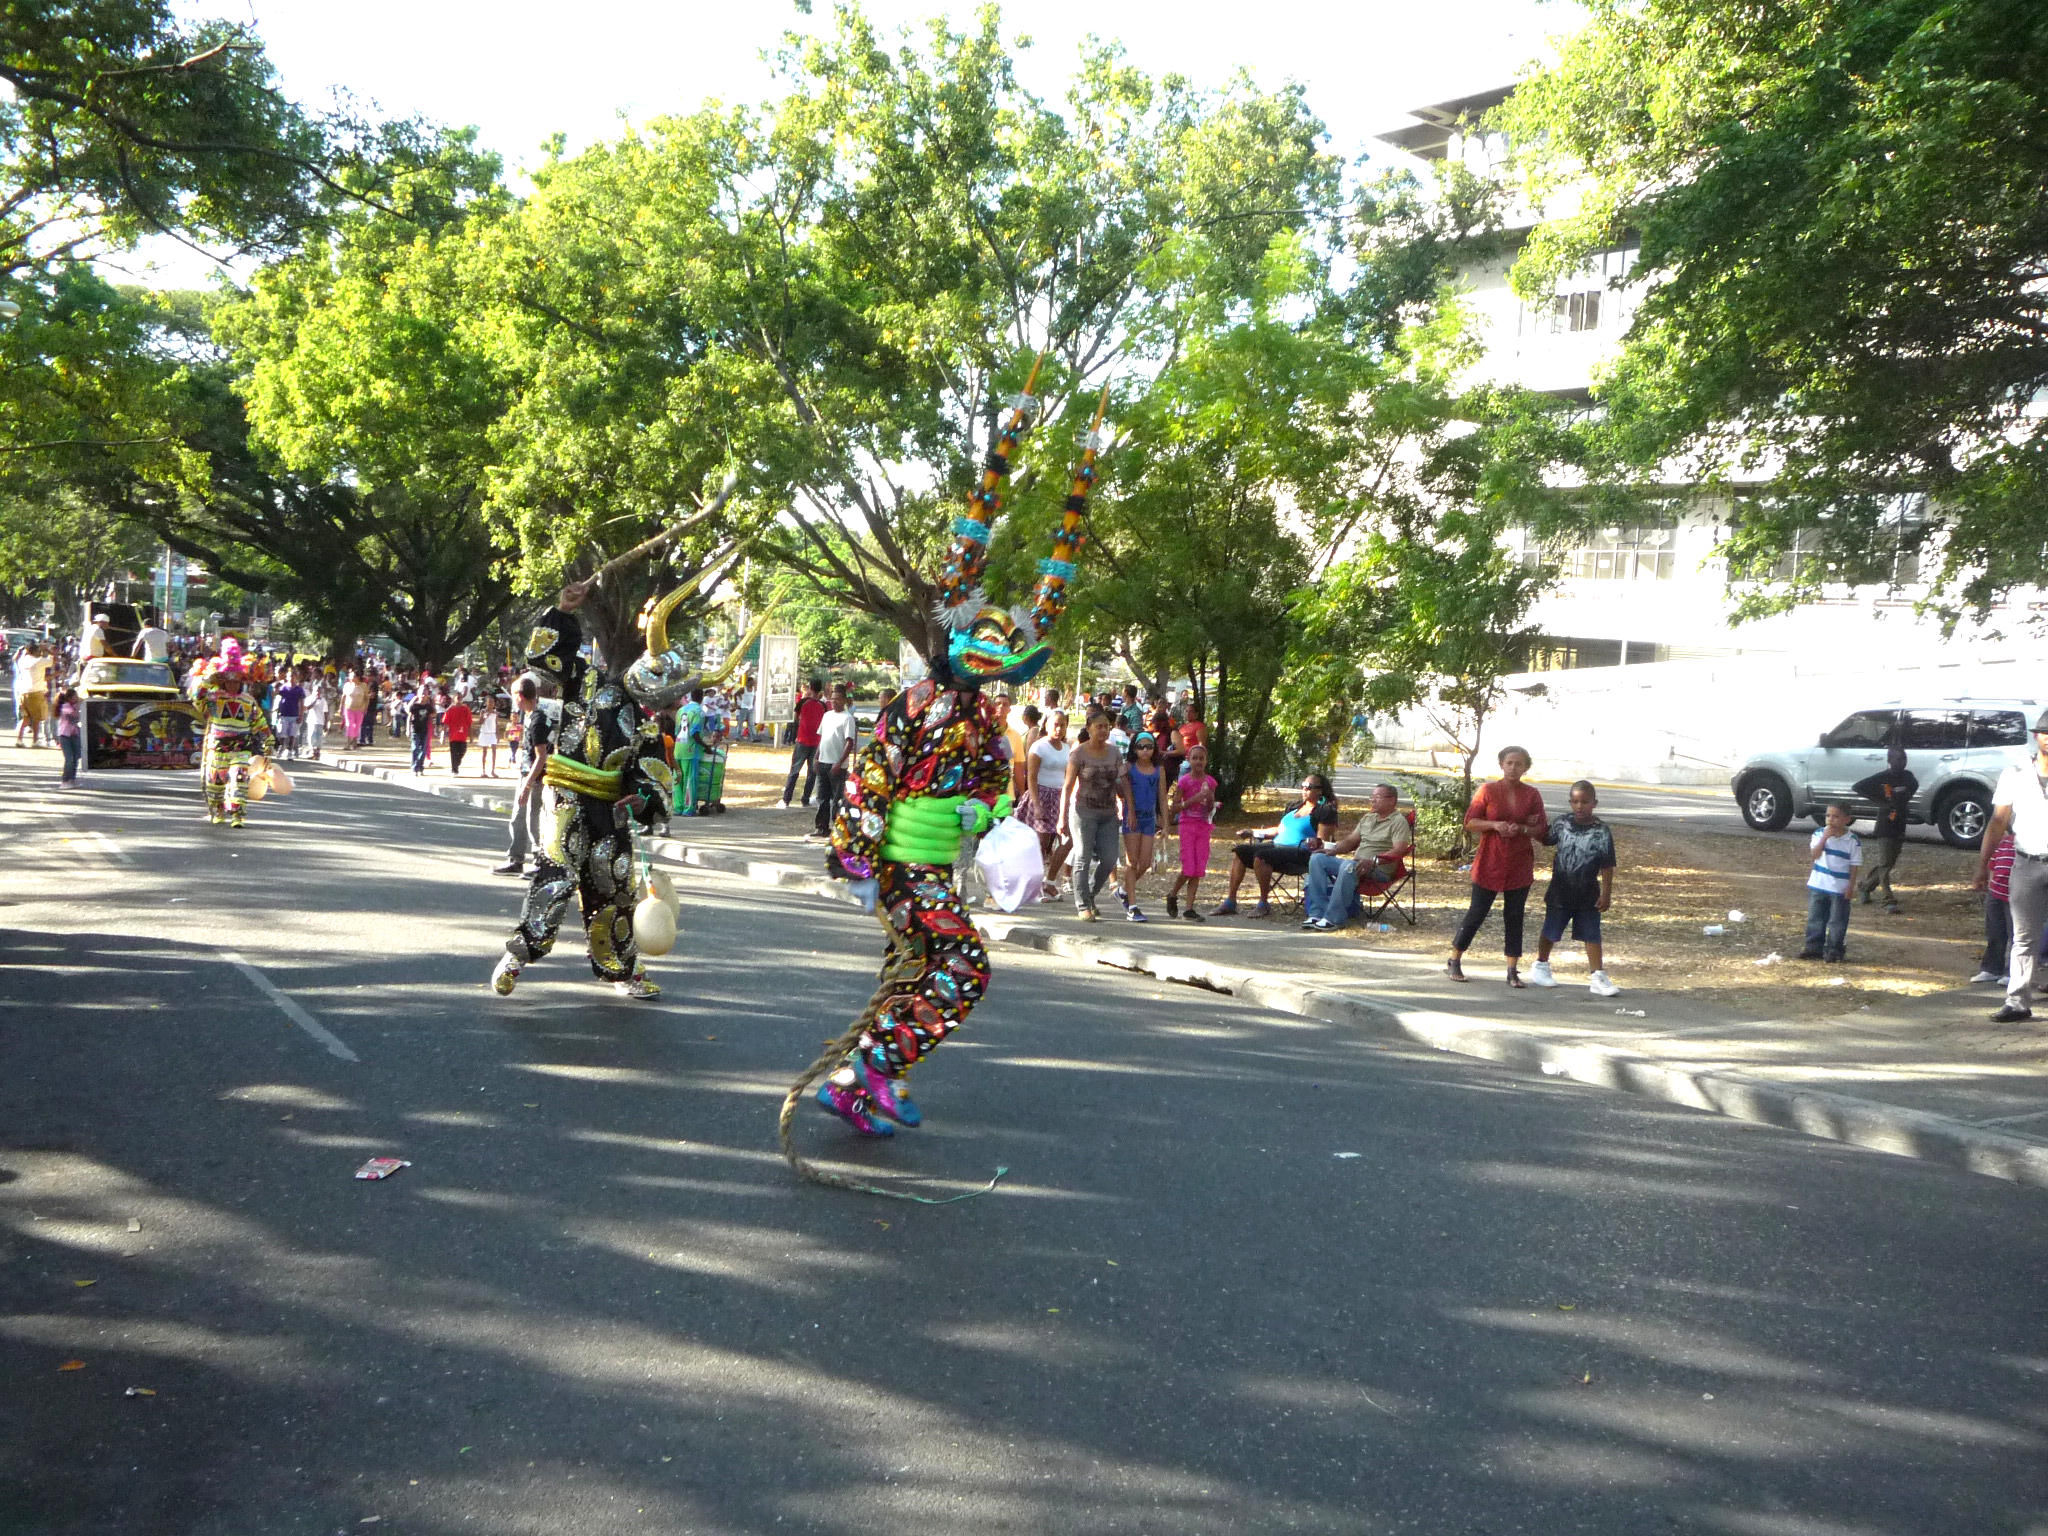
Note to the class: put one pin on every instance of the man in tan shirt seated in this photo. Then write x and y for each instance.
(1374, 855)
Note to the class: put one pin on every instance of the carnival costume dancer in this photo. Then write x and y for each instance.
(234, 730)
(605, 772)
(938, 766)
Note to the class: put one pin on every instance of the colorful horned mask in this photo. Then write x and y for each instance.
(987, 643)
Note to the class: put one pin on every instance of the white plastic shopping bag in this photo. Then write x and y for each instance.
(1010, 862)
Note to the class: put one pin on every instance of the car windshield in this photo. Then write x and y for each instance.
(102, 673)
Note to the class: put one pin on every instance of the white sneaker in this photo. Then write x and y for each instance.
(1600, 986)
(1983, 976)
(1539, 975)
(506, 976)
(782, 805)
(639, 986)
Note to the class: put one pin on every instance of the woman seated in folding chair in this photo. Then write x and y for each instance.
(1372, 859)
(1283, 849)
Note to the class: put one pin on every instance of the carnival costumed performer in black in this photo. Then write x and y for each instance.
(938, 766)
(605, 774)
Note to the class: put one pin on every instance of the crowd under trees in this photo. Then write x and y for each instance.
(442, 392)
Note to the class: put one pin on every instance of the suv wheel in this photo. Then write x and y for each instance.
(1766, 802)
(1962, 815)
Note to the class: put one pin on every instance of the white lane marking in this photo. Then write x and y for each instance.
(107, 846)
(2032, 1114)
(104, 845)
(291, 1010)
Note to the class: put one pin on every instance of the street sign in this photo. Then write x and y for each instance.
(775, 698)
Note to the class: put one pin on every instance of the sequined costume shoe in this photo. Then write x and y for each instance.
(850, 1105)
(506, 976)
(637, 986)
(890, 1095)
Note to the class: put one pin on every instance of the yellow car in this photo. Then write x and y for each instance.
(136, 716)
(119, 677)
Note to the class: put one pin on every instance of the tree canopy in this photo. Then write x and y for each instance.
(1842, 209)
(837, 291)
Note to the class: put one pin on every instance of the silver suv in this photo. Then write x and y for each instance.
(1956, 748)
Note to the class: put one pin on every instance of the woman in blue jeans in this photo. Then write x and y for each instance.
(1147, 781)
(1097, 791)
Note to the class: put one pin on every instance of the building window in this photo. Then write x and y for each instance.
(1575, 312)
(1596, 296)
(1802, 551)
(1624, 554)
(1892, 557)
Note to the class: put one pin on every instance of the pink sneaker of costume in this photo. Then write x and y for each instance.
(851, 1105)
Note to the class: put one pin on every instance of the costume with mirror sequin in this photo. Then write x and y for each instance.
(604, 776)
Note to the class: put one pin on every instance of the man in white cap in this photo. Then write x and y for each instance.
(2020, 806)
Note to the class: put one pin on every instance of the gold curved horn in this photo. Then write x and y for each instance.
(657, 618)
(739, 650)
(658, 615)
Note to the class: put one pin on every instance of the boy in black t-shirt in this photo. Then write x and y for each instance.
(1581, 886)
(1893, 792)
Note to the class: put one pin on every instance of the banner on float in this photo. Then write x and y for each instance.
(775, 694)
(141, 733)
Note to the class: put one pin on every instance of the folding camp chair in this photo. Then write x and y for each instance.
(1399, 895)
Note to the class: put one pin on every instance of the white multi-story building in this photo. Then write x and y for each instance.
(1642, 673)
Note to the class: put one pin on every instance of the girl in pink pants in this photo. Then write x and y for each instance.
(1193, 801)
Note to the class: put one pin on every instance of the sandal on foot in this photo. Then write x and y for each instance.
(1454, 970)
(1514, 979)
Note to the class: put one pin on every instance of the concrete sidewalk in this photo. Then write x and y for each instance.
(1926, 1077)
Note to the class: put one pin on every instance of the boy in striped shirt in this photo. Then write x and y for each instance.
(1836, 853)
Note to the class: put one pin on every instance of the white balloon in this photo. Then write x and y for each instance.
(659, 884)
(654, 926)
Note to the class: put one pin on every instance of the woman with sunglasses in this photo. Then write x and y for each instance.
(1282, 849)
(1141, 830)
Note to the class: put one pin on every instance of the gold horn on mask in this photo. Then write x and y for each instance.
(656, 623)
(659, 610)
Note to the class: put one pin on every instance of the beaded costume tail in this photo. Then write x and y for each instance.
(901, 966)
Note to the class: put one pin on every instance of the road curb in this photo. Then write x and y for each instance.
(1816, 1112)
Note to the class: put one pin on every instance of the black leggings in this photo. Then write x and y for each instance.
(1511, 904)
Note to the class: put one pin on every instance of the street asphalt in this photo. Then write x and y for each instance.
(1247, 1272)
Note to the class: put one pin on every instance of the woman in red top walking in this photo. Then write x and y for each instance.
(1508, 816)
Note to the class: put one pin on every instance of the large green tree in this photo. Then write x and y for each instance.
(124, 119)
(1842, 208)
(355, 454)
(836, 292)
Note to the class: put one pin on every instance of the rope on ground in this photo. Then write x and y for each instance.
(901, 965)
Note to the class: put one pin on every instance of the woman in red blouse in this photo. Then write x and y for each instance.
(1508, 816)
